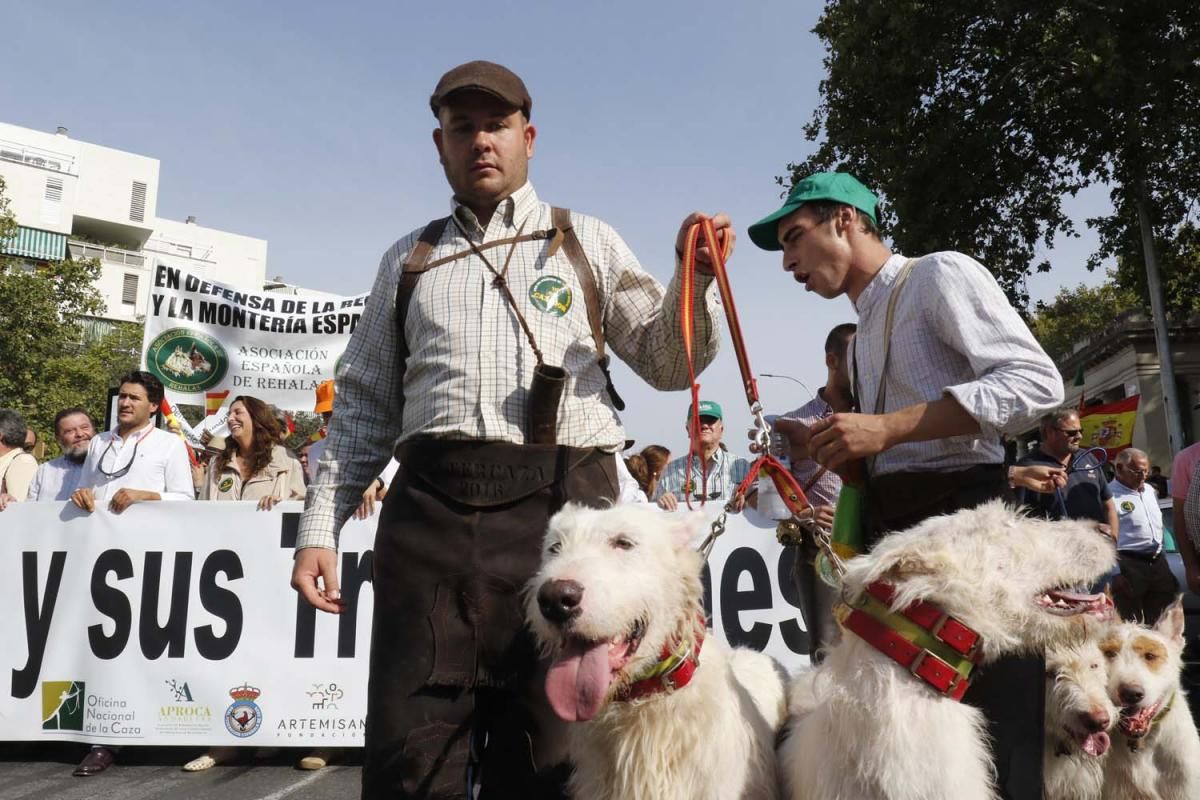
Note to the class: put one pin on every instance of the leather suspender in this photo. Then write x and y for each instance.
(562, 234)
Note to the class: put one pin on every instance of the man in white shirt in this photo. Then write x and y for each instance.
(136, 462)
(1146, 584)
(58, 479)
(961, 368)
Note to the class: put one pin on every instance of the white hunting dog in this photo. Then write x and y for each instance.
(1156, 755)
(1079, 717)
(664, 709)
(864, 727)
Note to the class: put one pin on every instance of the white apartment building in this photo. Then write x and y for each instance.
(87, 201)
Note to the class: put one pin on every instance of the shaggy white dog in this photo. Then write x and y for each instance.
(618, 589)
(1079, 716)
(867, 728)
(1156, 755)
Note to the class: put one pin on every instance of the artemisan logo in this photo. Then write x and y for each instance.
(186, 360)
(62, 705)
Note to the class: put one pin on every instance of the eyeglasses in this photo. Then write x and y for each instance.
(1070, 433)
(1133, 470)
(125, 469)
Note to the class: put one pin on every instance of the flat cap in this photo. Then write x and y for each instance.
(483, 76)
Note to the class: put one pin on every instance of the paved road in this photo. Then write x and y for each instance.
(43, 771)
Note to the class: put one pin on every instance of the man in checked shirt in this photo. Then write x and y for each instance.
(455, 701)
(963, 368)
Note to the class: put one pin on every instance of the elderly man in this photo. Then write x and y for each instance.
(58, 479)
(1146, 584)
(1087, 494)
(711, 475)
(481, 356)
(17, 465)
(943, 365)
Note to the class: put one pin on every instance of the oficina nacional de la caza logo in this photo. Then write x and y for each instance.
(187, 360)
(62, 705)
(244, 717)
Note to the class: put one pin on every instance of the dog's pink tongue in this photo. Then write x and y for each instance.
(578, 680)
(1097, 744)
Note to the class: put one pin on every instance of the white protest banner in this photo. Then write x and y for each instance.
(174, 624)
(203, 336)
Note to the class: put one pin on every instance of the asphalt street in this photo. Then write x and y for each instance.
(37, 771)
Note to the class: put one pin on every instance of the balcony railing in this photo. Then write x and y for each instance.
(37, 157)
(113, 255)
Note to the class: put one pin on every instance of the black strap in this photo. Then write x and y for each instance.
(561, 235)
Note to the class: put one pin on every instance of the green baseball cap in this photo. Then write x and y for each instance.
(840, 187)
(707, 409)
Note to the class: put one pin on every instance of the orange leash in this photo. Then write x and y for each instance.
(789, 490)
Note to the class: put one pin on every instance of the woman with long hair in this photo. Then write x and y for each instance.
(254, 465)
(647, 466)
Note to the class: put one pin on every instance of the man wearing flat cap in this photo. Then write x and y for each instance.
(481, 359)
(942, 365)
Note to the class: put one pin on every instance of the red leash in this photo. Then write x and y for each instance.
(789, 490)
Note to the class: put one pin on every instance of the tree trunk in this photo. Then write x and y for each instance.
(1171, 408)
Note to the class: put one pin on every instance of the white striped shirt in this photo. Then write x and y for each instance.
(954, 333)
(470, 365)
(725, 473)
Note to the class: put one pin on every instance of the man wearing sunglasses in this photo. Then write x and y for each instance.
(1086, 495)
(1145, 585)
(711, 476)
(136, 462)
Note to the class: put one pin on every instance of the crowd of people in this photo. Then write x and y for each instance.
(498, 405)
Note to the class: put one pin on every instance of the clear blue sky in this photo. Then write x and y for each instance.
(308, 124)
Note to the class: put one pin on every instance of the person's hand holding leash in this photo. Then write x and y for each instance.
(842, 438)
(704, 259)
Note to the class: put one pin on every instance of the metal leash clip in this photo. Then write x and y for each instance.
(718, 528)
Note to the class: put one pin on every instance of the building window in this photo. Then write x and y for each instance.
(129, 292)
(137, 202)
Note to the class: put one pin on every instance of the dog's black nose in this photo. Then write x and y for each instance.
(559, 600)
(1130, 695)
(1097, 719)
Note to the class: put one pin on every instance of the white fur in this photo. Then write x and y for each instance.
(713, 738)
(1076, 705)
(873, 731)
(1166, 765)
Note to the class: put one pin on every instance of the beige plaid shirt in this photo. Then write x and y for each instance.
(470, 365)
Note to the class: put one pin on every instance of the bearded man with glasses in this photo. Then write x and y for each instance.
(1086, 495)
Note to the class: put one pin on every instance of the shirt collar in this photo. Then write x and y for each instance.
(879, 285)
(138, 434)
(513, 210)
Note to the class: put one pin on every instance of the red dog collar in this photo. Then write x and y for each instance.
(671, 672)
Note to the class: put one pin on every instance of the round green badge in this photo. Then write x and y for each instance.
(225, 485)
(1127, 506)
(186, 360)
(551, 295)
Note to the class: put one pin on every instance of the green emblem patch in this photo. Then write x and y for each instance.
(1127, 506)
(225, 485)
(551, 295)
(186, 360)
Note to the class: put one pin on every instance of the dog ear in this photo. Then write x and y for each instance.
(908, 564)
(687, 527)
(1170, 622)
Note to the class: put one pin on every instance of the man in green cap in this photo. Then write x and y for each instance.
(943, 365)
(687, 477)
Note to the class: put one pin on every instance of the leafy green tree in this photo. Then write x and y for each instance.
(1080, 312)
(974, 118)
(47, 361)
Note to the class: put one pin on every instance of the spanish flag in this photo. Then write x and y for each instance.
(1110, 426)
(213, 402)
